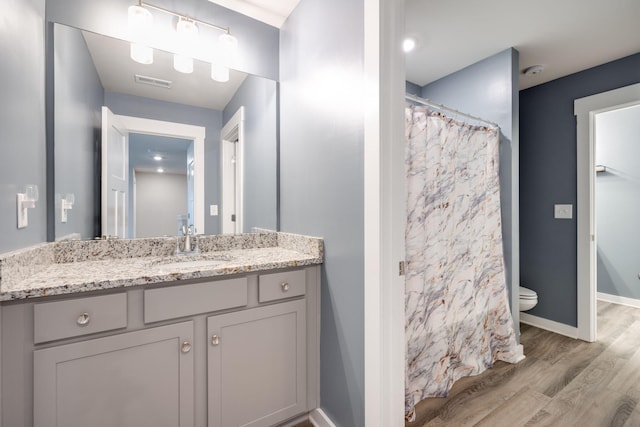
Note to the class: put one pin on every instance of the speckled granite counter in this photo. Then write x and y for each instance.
(81, 266)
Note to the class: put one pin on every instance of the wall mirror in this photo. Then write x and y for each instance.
(175, 167)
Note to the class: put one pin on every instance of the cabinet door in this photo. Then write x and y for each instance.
(141, 378)
(257, 365)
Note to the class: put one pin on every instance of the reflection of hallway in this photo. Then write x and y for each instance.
(160, 198)
(562, 381)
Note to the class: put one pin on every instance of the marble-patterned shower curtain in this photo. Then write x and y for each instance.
(458, 321)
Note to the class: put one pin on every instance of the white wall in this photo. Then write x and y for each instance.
(160, 198)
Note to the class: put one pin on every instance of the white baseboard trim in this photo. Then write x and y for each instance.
(549, 325)
(631, 302)
(319, 419)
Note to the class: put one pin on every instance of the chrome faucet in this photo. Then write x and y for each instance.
(190, 242)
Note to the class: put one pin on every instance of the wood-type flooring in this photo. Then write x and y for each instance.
(562, 382)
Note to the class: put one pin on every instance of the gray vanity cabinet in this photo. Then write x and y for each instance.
(239, 350)
(141, 378)
(257, 365)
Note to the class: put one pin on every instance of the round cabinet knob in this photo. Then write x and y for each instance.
(284, 286)
(215, 340)
(83, 319)
(186, 347)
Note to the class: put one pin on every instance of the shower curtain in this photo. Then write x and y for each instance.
(458, 321)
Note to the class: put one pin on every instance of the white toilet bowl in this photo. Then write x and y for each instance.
(528, 299)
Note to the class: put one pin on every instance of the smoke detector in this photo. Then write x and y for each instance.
(534, 70)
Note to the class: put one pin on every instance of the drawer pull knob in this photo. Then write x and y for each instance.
(215, 340)
(284, 286)
(83, 319)
(186, 347)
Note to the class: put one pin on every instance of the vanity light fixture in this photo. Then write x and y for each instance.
(187, 32)
(227, 48)
(140, 25)
(66, 203)
(26, 200)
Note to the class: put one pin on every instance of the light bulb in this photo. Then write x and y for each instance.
(183, 63)
(219, 73)
(140, 21)
(141, 53)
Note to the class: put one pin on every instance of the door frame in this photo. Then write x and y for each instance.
(184, 131)
(233, 130)
(585, 110)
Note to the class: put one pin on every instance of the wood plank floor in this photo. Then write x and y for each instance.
(562, 382)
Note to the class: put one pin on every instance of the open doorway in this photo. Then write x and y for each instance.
(587, 110)
(617, 205)
(116, 175)
(161, 195)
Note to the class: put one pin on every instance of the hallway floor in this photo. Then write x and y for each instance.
(562, 382)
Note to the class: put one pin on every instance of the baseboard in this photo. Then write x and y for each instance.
(631, 302)
(319, 419)
(549, 325)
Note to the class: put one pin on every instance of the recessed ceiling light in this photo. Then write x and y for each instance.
(159, 170)
(533, 70)
(408, 44)
(158, 157)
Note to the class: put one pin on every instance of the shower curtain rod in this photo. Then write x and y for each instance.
(428, 103)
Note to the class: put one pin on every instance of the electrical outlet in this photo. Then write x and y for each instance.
(563, 211)
(213, 210)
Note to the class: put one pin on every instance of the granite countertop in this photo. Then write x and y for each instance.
(80, 266)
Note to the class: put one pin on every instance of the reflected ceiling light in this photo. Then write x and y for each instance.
(219, 73)
(140, 23)
(157, 157)
(408, 44)
(159, 170)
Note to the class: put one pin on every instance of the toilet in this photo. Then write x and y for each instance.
(528, 298)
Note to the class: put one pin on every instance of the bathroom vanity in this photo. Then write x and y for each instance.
(122, 333)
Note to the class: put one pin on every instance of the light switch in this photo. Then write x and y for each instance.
(213, 210)
(563, 211)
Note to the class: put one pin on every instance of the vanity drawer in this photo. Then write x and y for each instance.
(187, 300)
(81, 316)
(277, 286)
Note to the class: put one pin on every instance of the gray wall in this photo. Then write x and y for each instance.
(618, 202)
(257, 42)
(548, 176)
(259, 97)
(412, 88)
(322, 181)
(22, 119)
(489, 89)
(79, 96)
(160, 198)
(129, 105)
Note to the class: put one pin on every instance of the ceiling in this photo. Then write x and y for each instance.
(117, 74)
(565, 36)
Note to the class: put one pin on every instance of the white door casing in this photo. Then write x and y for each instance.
(585, 110)
(232, 173)
(131, 124)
